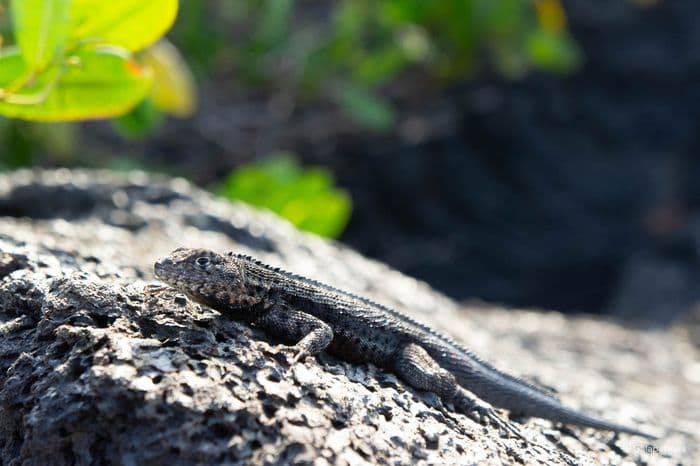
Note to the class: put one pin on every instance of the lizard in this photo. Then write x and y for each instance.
(314, 317)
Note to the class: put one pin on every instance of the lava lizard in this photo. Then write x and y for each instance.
(316, 317)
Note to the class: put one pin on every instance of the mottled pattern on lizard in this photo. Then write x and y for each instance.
(315, 317)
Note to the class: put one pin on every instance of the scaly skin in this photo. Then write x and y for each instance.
(316, 317)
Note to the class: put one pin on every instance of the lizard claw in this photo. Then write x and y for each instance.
(505, 426)
(487, 416)
(297, 354)
(300, 356)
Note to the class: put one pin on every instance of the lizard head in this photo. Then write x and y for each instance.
(209, 278)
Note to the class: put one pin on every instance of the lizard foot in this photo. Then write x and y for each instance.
(493, 418)
(295, 353)
(485, 415)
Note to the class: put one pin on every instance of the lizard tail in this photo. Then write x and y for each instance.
(567, 415)
(510, 393)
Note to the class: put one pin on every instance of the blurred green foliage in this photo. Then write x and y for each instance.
(347, 51)
(25, 144)
(305, 197)
(354, 54)
(141, 121)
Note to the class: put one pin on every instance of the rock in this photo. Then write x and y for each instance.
(101, 364)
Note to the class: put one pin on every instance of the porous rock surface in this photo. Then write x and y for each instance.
(100, 364)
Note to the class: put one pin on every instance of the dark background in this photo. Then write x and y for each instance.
(574, 192)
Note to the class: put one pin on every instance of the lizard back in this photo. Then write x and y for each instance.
(350, 310)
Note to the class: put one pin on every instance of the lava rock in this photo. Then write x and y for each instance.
(100, 364)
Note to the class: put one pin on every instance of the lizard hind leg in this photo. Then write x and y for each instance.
(419, 370)
(415, 366)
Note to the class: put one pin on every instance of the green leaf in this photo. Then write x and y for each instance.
(41, 29)
(174, 90)
(132, 24)
(553, 51)
(307, 198)
(141, 121)
(380, 66)
(100, 83)
(275, 20)
(365, 107)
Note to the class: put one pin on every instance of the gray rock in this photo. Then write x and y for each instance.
(99, 364)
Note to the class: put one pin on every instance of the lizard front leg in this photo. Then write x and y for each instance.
(421, 371)
(310, 334)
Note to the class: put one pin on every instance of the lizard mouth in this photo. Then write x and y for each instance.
(161, 268)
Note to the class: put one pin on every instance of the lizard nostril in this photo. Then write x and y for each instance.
(161, 264)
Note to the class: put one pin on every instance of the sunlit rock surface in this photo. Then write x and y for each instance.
(100, 364)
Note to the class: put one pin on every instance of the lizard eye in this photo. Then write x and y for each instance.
(203, 261)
